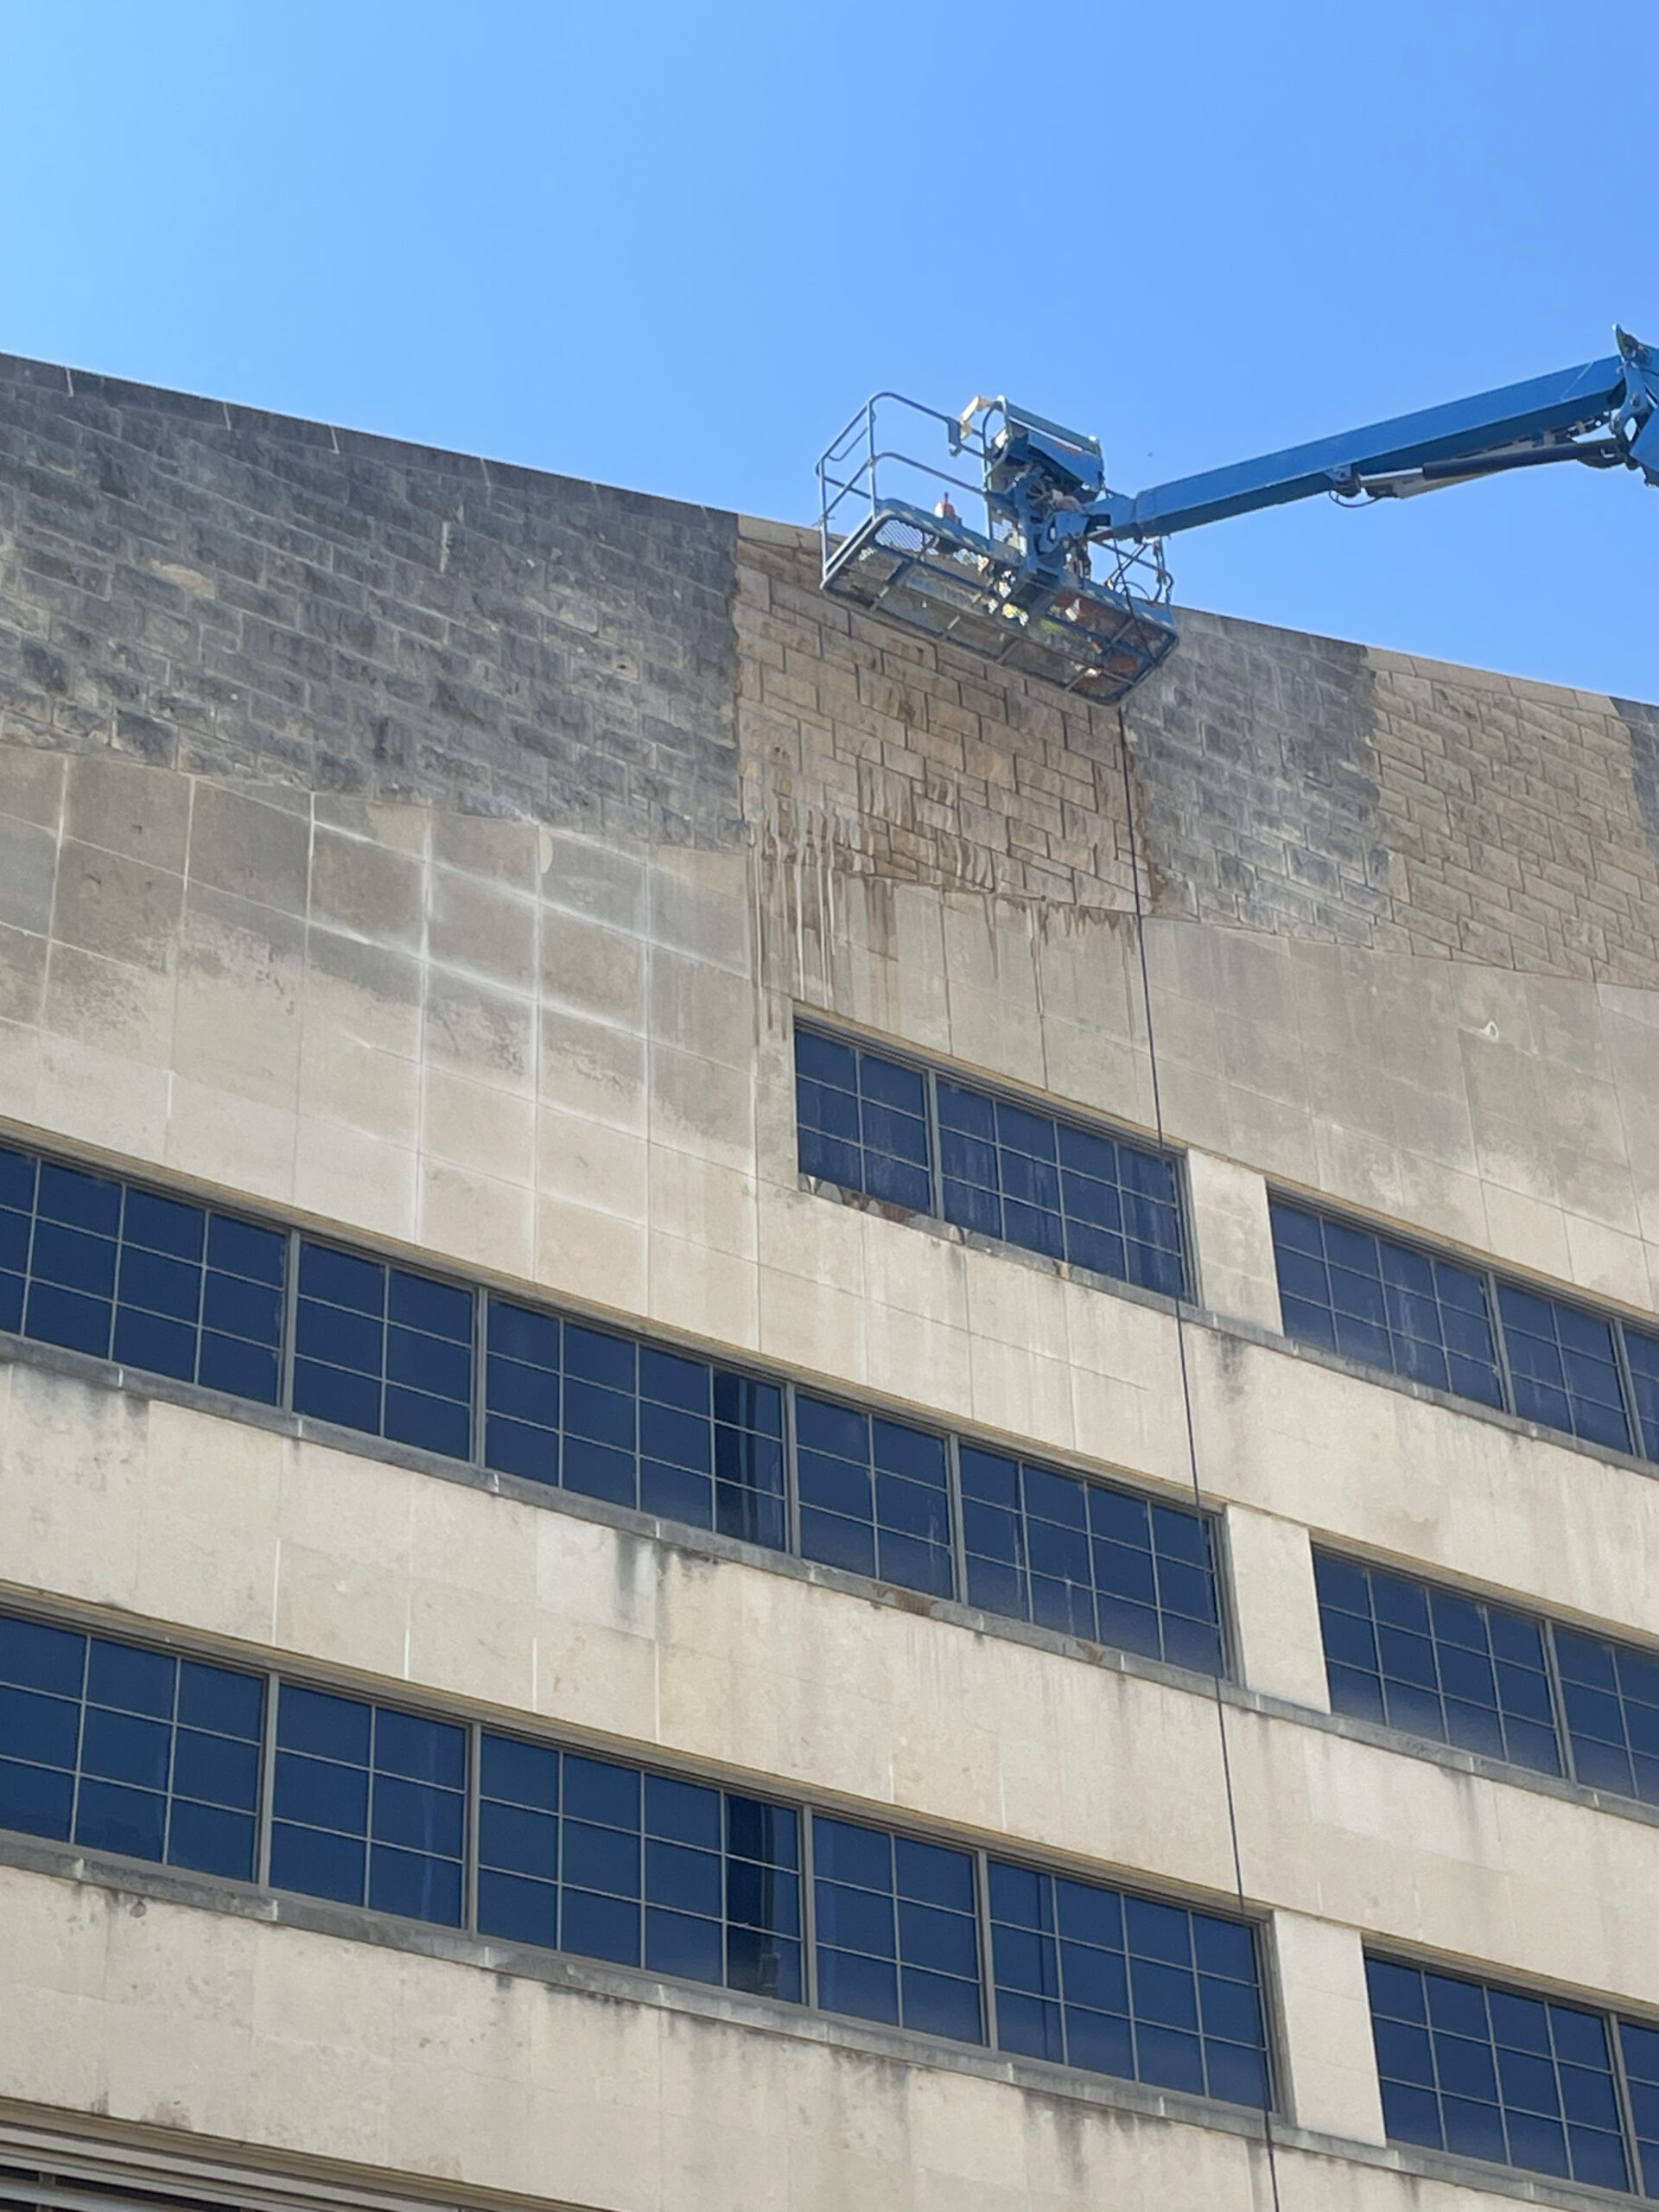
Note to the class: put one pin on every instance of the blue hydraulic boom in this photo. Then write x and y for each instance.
(1046, 568)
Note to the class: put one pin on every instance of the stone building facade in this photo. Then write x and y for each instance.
(434, 866)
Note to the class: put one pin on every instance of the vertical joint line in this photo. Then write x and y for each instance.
(1186, 1405)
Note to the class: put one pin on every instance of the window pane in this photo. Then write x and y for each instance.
(862, 1120)
(609, 1418)
(873, 1495)
(612, 1862)
(1437, 1664)
(1130, 1986)
(1493, 2075)
(1090, 1560)
(1384, 1303)
(103, 1726)
(1564, 1367)
(1006, 1170)
(384, 1351)
(898, 1938)
(1611, 1698)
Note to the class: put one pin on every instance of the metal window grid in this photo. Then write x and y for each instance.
(482, 1296)
(806, 1812)
(1001, 1097)
(1566, 1738)
(1506, 2103)
(1493, 1280)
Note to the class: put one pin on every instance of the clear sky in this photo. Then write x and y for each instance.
(674, 246)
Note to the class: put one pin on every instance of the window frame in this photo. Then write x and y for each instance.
(482, 1292)
(1548, 1627)
(998, 1091)
(1493, 1277)
(1613, 2013)
(808, 1807)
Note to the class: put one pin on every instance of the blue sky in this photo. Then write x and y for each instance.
(674, 246)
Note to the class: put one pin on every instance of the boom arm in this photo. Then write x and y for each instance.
(1013, 576)
(1521, 426)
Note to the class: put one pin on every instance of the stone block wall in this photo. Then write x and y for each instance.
(210, 589)
(241, 595)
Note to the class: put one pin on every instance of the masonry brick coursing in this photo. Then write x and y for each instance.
(885, 754)
(1518, 825)
(234, 594)
(1280, 782)
(246, 597)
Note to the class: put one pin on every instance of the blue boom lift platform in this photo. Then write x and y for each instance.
(1010, 540)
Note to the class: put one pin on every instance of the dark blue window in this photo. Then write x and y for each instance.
(1077, 1194)
(369, 1805)
(1641, 2050)
(611, 1418)
(1642, 1354)
(1126, 1985)
(1611, 1696)
(1006, 1170)
(1437, 1664)
(126, 1274)
(897, 1932)
(1440, 1323)
(578, 1855)
(119, 1748)
(1385, 1303)
(862, 1120)
(378, 1348)
(874, 1496)
(1492, 2075)
(1563, 1368)
(1088, 1559)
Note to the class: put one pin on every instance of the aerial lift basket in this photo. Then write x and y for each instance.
(929, 544)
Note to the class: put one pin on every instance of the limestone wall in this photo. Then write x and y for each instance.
(440, 855)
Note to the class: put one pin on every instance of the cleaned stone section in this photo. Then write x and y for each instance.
(869, 750)
(1282, 783)
(239, 595)
(1520, 816)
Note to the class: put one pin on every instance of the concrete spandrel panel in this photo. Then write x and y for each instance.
(1400, 1476)
(152, 2013)
(435, 1590)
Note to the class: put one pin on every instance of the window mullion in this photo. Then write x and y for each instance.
(986, 1969)
(469, 1843)
(1500, 1340)
(1557, 1699)
(1626, 2110)
(480, 1370)
(958, 1530)
(80, 1732)
(119, 1243)
(1627, 1386)
(290, 1317)
(935, 1156)
(267, 1782)
(791, 1477)
(809, 1915)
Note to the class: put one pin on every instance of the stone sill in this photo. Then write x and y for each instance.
(133, 1884)
(1232, 1326)
(706, 1544)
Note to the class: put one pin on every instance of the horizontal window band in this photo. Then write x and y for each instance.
(506, 1831)
(1466, 1329)
(1495, 2072)
(521, 1389)
(897, 1131)
(1519, 1686)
